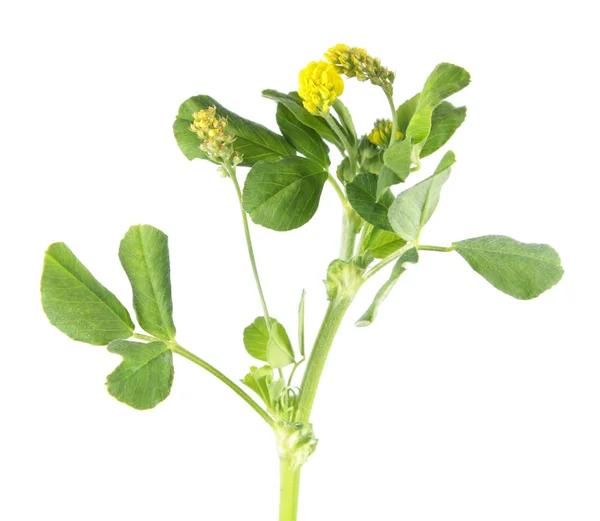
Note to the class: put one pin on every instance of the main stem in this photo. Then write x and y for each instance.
(289, 488)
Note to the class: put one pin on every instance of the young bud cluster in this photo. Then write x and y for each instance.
(354, 62)
(320, 85)
(217, 139)
(382, 132)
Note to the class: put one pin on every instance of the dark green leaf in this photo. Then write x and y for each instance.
(406, 111)
(346, 120)
(256, 338)
(445, 120)
(304, 139)
(279, 348)
(396, 166)
(144, 377)
(414, 207)
(294, 103)
(381, 243)
(77, 304)
(283, 195)
(362, 196)
(254, 142)
(410, 255)
(144, 254)
(521, 270)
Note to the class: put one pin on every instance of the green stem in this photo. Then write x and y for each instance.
(176, 348)
(390, 99)
(384, 262)
(337, 189)
(289, 488)
(435, 248)
(263, 302)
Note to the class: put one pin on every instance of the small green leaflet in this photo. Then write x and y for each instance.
(410, 255)
(301, 324)
(283, 195)
(77, 304)
(521, 270)
(414, 207)
(144, 254)
(279, 348)
(346, 120)
(294, 103)
(446, 118)
(406, 111)
(362, 196)
(256, 337)
(253, 141)
(260, 380)
(144, 377)
(381, 243)
(445, 80)
(396, 166)
(304, 139)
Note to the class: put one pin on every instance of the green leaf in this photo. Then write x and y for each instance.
(304, 139)
(260, 380)
(253, 141)
(445, 80)
(144, 254)
(362, 196)
(283, 195)
(256, 338)
(77, 304)
(279, 348)
(294, 103)
(406, 111)
(144, 377)
(445, 120)
(346, 120)
(411, 255)
(414, 207)
(397, 160)
(301, 324)
(521, 270)
(381, 243)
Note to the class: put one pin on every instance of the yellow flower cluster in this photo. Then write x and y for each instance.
(382, 132)
(320, 85)
(354, 62)
(217, 140)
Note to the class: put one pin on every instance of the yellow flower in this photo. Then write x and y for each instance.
(381, 133)
(355, 62)
(320, 85)
(217, 140)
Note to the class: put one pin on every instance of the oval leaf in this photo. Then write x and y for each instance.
(283, 195)
(521, 270)
(256, 337)
(445, 120)
(253, 141)
(381, 243)
(414, 207)
(144, 377)
(396, 166)
(77, 304)
(279, 348)
(144, 254)
(362, 194)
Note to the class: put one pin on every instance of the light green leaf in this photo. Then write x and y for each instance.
(445, 80)
(253, 141)
(144, 377)
(283, 195)
(259, 380)
(381, 243)
(445, 120)
(279, 348)
(304, 139)
(397, 160)
(256, 338)
(414, 207)
(301, 324)
(346, 120)
(144, 254)
(362, 196)
(77, 304)
(410, 255)
(406, 111)
(294, 103)
(521, 270)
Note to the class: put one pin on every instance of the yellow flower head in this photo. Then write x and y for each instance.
(320, 85)
(354, 62)
(381, 133)
(217, 140)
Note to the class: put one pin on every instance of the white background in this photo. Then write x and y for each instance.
(459, 403)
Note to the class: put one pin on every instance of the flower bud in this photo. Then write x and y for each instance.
(382, 132)
(217, 139)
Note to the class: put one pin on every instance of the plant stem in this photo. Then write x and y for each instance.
(289, 488)
(176, 348)
(384, 262)
(390, 99)
(435, 248)
(263, 302)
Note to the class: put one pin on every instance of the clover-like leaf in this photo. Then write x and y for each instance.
(362, 195)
